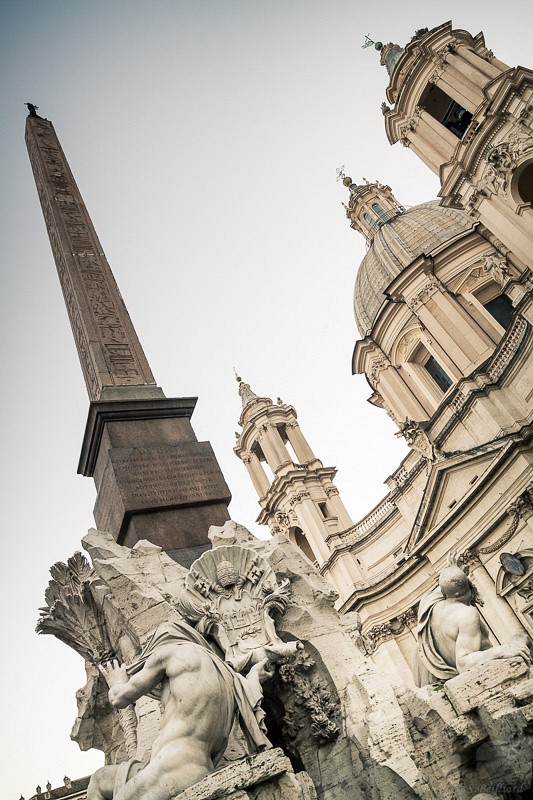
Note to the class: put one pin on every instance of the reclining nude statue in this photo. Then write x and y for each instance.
(228, 596)
(452, 636)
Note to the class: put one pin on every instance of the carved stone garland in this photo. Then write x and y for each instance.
(309, 699)
(387, 630)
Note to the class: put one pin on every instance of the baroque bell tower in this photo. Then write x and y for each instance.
(296, 492)
(154, 479)
(468, 117)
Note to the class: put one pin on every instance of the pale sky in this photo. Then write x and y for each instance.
(204, 137)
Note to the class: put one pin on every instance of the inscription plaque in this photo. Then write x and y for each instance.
(168, 476)
(153, 478)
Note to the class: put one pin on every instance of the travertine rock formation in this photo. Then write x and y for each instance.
(348, 729)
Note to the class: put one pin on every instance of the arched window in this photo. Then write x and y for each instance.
(441, 378)
(501, 309)
(524, 184)
(383, 216)
(372, 222)
(425, 363)
(497, 303)
(302, 543)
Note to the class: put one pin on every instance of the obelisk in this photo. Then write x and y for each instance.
(154, 480)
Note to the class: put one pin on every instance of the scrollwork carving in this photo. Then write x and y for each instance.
(490, 265)
(417, 439)
(386, 630)
(503, 158)
(431, 286)
(298, 497)
(377, 364)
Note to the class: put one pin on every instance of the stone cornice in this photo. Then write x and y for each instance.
(383, 631)
(382, 582)
(100, 413)
(290, 484)
(257, 412)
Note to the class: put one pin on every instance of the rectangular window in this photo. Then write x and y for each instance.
(441, 378)
(501, 309)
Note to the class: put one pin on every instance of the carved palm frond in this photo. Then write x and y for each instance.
(71, 613)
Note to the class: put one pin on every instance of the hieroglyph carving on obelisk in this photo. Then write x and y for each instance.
(109, 350)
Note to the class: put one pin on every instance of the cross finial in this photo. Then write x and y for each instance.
(340, 173)
(369, 42)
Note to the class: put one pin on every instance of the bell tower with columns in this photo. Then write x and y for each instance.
(154, 479)
(296, 492)
(468, 117)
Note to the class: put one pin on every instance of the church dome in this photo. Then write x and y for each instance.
(395, 245)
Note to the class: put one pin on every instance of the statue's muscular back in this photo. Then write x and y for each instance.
(191, 687)
(196, 721)
(461, 630)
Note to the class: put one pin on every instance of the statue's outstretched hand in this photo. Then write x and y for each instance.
(114, 673)
(261, 671)
(517, 646)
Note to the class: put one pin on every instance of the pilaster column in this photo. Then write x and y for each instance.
(459, 336)
(312, 523)
(337, 508)
(504, 622)
(514, 231)
(476, 78)
(299, 443)
(459, 82)
(444, 142)
(275, 451)
(256, 473)
(425, 151)
(480, 65)
(395, 392)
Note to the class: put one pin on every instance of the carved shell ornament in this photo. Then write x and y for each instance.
(229, 595)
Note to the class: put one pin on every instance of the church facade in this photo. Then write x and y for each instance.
(444, 313)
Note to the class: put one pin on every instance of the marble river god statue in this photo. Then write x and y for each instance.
(202, 685)
(200, 696)
(452, 636)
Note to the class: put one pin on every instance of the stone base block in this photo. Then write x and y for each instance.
(265, 776)
(475, 687)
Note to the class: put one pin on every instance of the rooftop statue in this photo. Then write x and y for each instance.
(452, 636)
